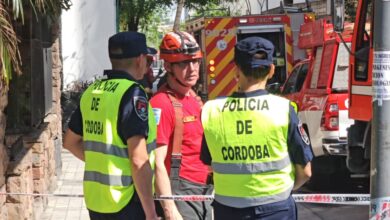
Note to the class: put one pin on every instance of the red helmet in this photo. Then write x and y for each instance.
(179, 46)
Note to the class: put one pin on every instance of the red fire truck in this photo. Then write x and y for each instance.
(360, 89)
(319, 87)
(363, 91)
(218, 35)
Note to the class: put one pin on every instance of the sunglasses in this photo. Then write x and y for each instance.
(185, 63)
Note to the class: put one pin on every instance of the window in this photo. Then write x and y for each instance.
(340, 78)
(301, 77)
(363, 38)
(316, 69)
(290, 86)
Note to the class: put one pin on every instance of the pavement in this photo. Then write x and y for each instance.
(69, 183)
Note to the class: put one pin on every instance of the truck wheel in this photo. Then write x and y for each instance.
(356, 162)
(327, 169)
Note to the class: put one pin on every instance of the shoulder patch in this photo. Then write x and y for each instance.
(303, 134)
(141, 107)
(157, 114)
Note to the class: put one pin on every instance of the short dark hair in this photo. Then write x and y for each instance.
(258, 72)
(253, 55)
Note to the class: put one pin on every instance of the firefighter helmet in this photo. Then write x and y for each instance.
(179, 46)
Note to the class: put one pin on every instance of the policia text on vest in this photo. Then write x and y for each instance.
(245, 127)
(91, 126)
(251, 104)
(245, 152)
(96, 127)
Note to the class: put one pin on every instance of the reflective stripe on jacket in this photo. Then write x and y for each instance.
(247, 140)
(108, 183)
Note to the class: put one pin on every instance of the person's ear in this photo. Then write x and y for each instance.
(237, 74)
(138, 61)
(168, 67)
(271, 71)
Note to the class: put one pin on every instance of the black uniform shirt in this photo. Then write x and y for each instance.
(129, 122)
(299, 147)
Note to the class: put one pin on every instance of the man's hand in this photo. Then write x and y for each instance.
(163, 184)
(302, 174)
(172, 214)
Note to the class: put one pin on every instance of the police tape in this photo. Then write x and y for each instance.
(341, 199)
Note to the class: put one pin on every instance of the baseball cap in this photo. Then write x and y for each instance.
(127, 45)
(246, 49)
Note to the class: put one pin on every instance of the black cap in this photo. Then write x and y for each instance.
(246, 49)
(127, 45)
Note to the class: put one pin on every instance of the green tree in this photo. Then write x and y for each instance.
(211, 7)
(350, 10)
(152, 26)
(134, 13)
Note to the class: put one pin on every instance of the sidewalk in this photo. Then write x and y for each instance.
(70, 182)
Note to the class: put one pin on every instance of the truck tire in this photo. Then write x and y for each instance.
(327, 169)
(356, 161)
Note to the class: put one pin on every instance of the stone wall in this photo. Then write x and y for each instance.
(3, 153)
(28, 161)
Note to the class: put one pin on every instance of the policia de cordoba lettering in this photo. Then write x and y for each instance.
(254, 142)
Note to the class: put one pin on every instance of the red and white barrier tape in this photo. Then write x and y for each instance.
(341, 199)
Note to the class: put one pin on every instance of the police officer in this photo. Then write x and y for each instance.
(255, 143)
(113, 130)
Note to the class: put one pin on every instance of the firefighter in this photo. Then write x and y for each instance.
(148, 79)
(113, 130)
(179, 169)
(258, 149)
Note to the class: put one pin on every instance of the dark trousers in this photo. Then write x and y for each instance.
(132, 211)
(283, 210)
(190, 210)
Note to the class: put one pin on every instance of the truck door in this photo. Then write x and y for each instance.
(275, 34)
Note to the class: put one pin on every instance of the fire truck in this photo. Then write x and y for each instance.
(319, 87)
(218, 35)
(361, 87)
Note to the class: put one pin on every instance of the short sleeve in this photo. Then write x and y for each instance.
(205, 155)
(133, 114)
(76, 122)
(166, 121)
(298, 141)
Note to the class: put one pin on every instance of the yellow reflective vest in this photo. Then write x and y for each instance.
(108, 182)
(247, 140)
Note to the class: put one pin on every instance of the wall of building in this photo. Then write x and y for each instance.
(85, 30)
(28, 162)
(3, 153)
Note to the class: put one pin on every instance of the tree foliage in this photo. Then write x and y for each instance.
(213, 9)
(350, 10)
(13, 10)
(152, 26)
(204, 8)
(134, 13)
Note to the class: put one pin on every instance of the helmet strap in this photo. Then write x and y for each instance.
(177, 85)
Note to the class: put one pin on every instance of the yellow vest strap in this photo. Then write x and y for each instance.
(110, 180)
(104, 148)
(243, 202)
(251, 168)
